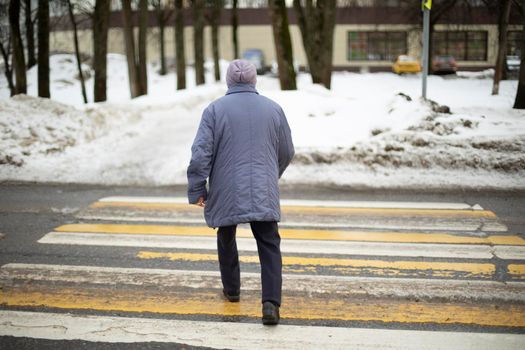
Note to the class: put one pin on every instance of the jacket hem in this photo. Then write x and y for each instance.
(242, 219)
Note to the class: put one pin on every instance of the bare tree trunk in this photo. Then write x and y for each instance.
(30, 36)
(143, 33)
(519, 102)
(317, 30)
(100, 48)
(19, 63)
(198, 40)
(77, 51)
(43, 49)
(179, 45)
(7, 69)
(163, 15)
(328, 42)
(159, 7)
(215, 19)
(503, 22)
(162, 52)
(283, 44)
(235, 25)
(129, 39)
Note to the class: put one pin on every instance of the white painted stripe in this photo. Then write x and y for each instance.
(313, 203)
(400, 224)
(232, 335)
(138, 199)
(291, 246)
(135, 218)
(493, 227)
(450, 289)
(404, 224)
(377, 204)
(509, 252)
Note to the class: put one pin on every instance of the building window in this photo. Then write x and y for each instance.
(464, 46)
(370, 3)
(514, 43)
(247, 4)
(254, 3)
(376, 46)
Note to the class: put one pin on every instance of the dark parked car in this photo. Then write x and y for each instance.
(444, 65)
(255, 56)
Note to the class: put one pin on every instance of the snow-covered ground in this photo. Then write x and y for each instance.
(370, 130)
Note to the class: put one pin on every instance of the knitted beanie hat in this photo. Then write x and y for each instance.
(241, 72)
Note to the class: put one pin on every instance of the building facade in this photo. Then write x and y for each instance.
(368, 35)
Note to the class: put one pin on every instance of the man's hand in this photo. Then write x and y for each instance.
(201, 202)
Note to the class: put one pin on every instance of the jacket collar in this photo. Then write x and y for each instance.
(241, 88)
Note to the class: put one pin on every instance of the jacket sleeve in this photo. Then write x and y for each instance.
(201, 159)
(286, 149)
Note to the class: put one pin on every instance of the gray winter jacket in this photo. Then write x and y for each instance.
(243, 145)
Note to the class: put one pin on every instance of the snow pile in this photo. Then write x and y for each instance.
(64, 71)
(105, 143)
(484, 74)
(433, 139)
(64, 80)
(423, 150)
(383, 135)
(35, 127)
(369, 130)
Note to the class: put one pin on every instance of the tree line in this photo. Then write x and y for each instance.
(315, 18)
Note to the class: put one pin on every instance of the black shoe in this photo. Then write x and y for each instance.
(270, 313)
(233, 298)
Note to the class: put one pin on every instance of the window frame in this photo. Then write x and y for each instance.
(465, 41)
(518, 40)
(381, 42)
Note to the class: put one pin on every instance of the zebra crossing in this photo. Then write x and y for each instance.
(402, 275)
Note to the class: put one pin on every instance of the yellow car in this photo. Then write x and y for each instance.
(406, 64)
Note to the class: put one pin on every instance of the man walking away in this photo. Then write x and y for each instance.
(243, 145)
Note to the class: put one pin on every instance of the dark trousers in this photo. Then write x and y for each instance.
(268, 240)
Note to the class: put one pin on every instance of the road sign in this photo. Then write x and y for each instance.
(427, 4)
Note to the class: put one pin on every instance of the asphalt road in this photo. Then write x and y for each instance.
(29, 211)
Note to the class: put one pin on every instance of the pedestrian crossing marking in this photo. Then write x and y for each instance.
(517, 270)
(459, 290)
(461, 251)
(377, 215)
(317, 210)
(389, 212)
(218, 335)
(341, 288)
(311, 203)
(334, 222)
(286, 233)
(379, 267)
(304, 307)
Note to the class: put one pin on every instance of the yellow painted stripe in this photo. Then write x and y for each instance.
(379, 267)
(389, 212)
(309, 307)
(336, 235)
(318, 210)
(506, 240)
(517, 270)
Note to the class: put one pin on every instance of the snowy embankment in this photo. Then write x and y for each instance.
(370, 130)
